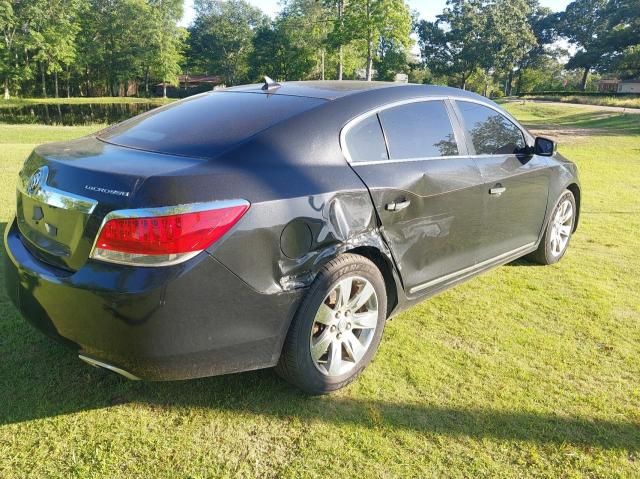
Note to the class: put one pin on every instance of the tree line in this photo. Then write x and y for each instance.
(120, 47)
(506, 39)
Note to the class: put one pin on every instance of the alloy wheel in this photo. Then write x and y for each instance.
(344, 326)
(561, 227)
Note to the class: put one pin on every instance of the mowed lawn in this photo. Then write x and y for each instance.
(525, 371)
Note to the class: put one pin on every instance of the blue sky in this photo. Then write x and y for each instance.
(428, 8)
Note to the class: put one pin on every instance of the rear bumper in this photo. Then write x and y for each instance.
(190, 320)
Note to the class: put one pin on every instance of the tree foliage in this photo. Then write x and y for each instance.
(293, 46)
(17, 21)
(221, 38)
(472, 35)
(584, 25)
(455, 44)
(121, 47)
(166, 40)
(371, 22)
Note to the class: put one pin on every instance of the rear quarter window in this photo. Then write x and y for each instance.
(206, 125)
(365, 141)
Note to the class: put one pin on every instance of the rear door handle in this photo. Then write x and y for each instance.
(497, 190)
(397, 206)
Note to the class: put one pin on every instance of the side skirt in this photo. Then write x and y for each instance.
(425, 290)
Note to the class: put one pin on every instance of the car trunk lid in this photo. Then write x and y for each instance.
(66, 189)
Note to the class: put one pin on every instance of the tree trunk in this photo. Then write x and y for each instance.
(340, 53)
(369, 44)
(55, 77)
(68, 83)
(44, 83)
(585, 76)
(6, 89)
(369, 59)
(519, 82)
(509, 83)
(322, 64)
(86, 73)
(164, 90)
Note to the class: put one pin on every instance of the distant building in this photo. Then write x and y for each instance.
(190, 84)
(609, 85)
(401, 78)
(613, 85)
(361, 73)
(629, 86)
(193, 81)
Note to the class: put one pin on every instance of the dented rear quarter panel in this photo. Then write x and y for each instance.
(307, 205)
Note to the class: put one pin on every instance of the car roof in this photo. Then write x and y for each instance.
(335, 89)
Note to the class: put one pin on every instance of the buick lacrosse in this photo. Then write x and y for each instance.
(276, 225)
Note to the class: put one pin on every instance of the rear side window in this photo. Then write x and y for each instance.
(365, 141)
(204, 126)
(419, 130)
(490, 132)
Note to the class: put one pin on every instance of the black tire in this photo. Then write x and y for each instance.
(544, 254)
(296, 364)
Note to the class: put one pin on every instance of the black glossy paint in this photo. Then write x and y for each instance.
(229, 308)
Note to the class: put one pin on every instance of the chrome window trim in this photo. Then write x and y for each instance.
(409, 160)
(155, 260)
(354, 121)
(54, 197)
(471, 269)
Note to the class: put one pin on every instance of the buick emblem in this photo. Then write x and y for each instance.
(37, 180)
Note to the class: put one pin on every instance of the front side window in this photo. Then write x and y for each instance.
(365, 141)
(490, 132)
(419, 130)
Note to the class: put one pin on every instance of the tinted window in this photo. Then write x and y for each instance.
(365, 141)
(206, 125)
(491, 133)
(419, 130)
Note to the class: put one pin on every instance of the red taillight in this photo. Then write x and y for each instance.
(165, 238)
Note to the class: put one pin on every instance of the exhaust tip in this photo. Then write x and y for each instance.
(99, 364)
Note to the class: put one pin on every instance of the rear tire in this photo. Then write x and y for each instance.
(338, 327)
(557, 235)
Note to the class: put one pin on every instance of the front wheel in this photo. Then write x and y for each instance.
(557, 235)
(338, 327)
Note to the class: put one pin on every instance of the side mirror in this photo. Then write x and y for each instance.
(544, 146)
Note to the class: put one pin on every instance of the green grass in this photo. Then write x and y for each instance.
(626, 102)
(15, 102)
(609, 123)
(525, 371)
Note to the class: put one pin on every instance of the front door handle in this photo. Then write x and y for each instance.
(397, 206)
(497, 190)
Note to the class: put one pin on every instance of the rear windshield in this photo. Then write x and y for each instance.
(206, 125)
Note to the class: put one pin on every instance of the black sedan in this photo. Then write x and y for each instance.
(276, 225)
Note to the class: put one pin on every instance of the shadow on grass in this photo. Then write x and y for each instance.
(41, 379)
